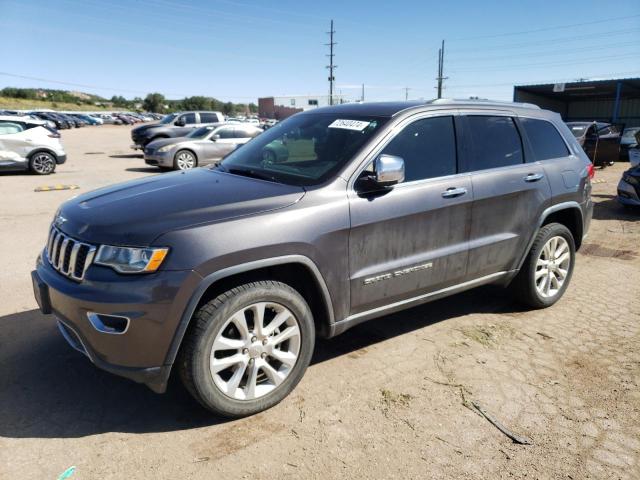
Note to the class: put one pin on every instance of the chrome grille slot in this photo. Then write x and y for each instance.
(69, 256)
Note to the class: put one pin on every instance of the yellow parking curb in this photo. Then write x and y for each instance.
(49, 188)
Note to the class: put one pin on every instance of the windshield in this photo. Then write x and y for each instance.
(306, 149)
(168, 119)
(200, 132)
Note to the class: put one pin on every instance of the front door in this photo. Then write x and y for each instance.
(411, 239)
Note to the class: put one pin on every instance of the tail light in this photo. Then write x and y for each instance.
(591, 171)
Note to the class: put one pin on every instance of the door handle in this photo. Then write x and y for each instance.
(533, 177)
(454, 192)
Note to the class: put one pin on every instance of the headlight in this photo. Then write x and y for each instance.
(166, 148)
(131, 260)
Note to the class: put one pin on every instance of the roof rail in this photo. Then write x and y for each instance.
(465, 101)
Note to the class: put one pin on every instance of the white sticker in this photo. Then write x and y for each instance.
(357, 125)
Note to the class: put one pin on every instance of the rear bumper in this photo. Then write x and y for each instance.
(60, 159)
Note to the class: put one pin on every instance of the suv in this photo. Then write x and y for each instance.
(229, 273)
(28, 144)
(171, 126)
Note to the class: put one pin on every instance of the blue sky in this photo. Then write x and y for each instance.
(239, 50)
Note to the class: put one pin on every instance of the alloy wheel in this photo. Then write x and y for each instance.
(43, 163)
(552, 267)
(185, 160)
(255, 351)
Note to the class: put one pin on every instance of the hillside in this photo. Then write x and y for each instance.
(7, 103)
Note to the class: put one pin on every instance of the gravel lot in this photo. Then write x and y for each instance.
(388, 399)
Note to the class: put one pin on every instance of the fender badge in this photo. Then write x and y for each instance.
(397, 273)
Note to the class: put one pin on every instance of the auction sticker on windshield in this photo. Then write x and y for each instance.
(358, 125)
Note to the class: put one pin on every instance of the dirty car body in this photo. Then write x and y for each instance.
(355, 246)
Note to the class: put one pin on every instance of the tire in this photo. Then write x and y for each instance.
(527, 284)
(228, 391)
(42, 163)
(184, 160)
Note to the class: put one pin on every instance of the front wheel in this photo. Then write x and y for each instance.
(184, 160)
(248, 348)
(547, 270)
(42, 163)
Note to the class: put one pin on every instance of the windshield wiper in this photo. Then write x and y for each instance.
(250, 173)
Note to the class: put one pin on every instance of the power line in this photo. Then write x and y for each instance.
(546, 29)
(111, 89)
(583, 49)
(545, 64)
(331, 66)
(572, 38)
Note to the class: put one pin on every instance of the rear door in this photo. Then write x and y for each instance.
(509, 194)
(411, 239)
(14, 144)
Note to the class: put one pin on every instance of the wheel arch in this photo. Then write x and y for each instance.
(298, 271)
(186, 149)
(568, 214)
(42, 149)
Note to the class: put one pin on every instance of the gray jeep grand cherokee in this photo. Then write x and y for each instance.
(330, 218)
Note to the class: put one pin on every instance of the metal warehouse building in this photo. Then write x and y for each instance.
(615, 101)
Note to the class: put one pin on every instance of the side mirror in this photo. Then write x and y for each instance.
(181, 122)
(389, 170)
(215, 137)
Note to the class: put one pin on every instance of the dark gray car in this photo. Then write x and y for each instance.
(172, 126)
(229, 273)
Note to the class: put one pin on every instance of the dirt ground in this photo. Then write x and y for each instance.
(388, 399)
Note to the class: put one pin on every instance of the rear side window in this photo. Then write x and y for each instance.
(496, 142)
(428, 147)
(7, 128)
(226, 133)
(208, 118)
(246, 132)
(545, 140)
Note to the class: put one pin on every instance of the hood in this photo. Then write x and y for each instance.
(144, 128)
(137, 212)
(161, 142)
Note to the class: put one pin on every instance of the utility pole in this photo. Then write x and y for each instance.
(406, 93)
(362, 96)
(441, 76)
(331, 66)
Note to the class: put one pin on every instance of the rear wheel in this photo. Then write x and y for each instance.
(547, 270)
(184, 160)
(248, 348)
(42, 163)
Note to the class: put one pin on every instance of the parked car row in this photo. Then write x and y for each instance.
(65, 120)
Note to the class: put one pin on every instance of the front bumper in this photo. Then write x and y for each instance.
(628, 194)
(60, 159)
(153, 303)
(159, 159)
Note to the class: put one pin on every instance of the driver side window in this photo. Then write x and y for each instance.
(428, 148)
(188, 118)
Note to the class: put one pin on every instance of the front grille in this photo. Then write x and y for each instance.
(69, 256)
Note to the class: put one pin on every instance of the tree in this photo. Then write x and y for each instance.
(228, 108)
(196, 103)
(119, 101)
(154, 102)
